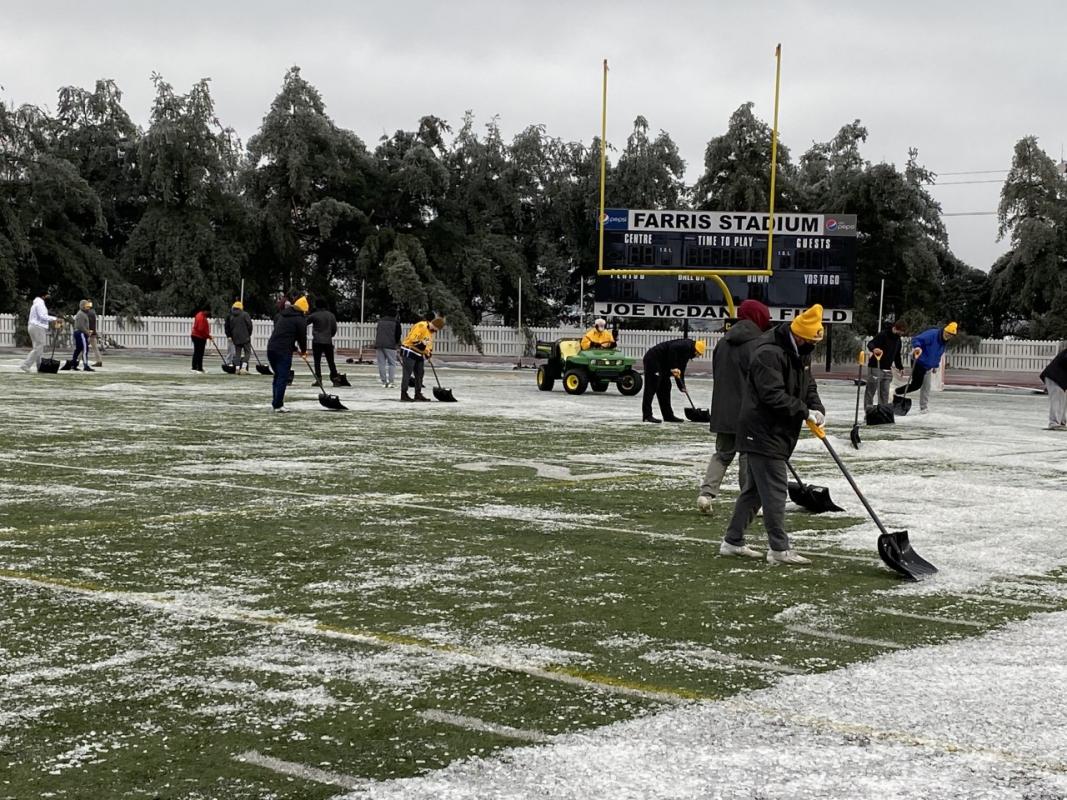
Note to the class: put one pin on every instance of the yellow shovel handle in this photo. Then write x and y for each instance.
(816, 429)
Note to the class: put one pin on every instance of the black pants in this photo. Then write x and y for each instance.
(658, 383)
(199, 346)
(413, 365)
(918, 373)
(318, 350)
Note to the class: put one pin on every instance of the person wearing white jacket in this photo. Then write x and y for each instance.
(37, 326)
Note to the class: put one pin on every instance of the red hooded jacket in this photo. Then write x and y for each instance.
(201, 327)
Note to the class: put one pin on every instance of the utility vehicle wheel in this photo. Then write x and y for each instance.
(629, 383)
(575, 381)
(545, 381)
(599, 386)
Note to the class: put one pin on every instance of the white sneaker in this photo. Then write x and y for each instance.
(786, 557)
(727, 549)
(282, 410)
(1052, 427)
(704, 504)
(24, 368)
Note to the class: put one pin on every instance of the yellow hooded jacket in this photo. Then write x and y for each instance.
(419, 339)
(595, 338)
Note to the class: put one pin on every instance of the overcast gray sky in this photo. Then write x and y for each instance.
(961, 81)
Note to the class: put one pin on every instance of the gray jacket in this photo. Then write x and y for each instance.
(387, 336)
(729, 368)
(81, 322)
(238, 327)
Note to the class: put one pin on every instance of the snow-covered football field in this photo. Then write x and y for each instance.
(511, 596)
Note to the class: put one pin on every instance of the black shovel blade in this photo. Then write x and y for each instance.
(263, 369)
(229, 369)
(901, 405)
(332, 402)
(49, 366)
(854, 436)
(444, 395)
(697, 414)
(895, 550)
(815, 499)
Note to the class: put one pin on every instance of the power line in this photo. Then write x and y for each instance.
(971, 172)
(960, 183)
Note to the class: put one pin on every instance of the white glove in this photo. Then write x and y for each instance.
(817, 417)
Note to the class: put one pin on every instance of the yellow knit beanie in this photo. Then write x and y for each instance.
(951, 329)
(808, 326)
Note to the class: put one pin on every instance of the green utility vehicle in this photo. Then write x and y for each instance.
(580, 369)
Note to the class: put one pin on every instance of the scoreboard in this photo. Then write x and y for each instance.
(653, 262)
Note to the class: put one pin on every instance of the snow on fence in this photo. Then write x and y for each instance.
(172, 333)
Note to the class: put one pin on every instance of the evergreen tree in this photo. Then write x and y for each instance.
(1030, 281)
(190, 246)
(308, 180)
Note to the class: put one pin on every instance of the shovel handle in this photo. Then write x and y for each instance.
(848, 476)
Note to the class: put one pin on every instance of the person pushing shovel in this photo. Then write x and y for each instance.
(780, 395)
(290, 330)
(415, 350)
(662, 362)
(926, 350)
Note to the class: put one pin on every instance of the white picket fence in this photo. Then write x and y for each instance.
(172, 333)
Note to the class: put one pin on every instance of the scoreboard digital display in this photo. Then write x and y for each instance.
(653, 262)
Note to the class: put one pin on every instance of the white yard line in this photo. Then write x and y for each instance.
(308, 627)
(60, 673)
(1008, 601)
(296, 770)
(930, 618)
(475, 724)
(841, 637)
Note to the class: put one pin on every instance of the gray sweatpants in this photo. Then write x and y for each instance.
(386, 360)
(725, 450)
(1057, 403)
(766, 485)
(880, 380)
(38, 339)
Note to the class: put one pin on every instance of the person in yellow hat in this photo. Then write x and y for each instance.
(415, 350)
(780, 394)
(290, 331)
(238, 327)
(661, 362)
(926, 351)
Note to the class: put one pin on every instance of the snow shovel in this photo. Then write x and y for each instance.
(50, 366)
(330, 401)
(229, 369)
(854, 434)
(443, 395)
(815, 499)
(692, 413)
(261, 368)
(894, 548)
(901, 404)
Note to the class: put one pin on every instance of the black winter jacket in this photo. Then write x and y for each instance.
(889, 343)
(729, 368)
(1056, 371)
(779, 393)
(387, 334)
(323, 326)
(290, 328)
(673, 354)
(238, 327)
